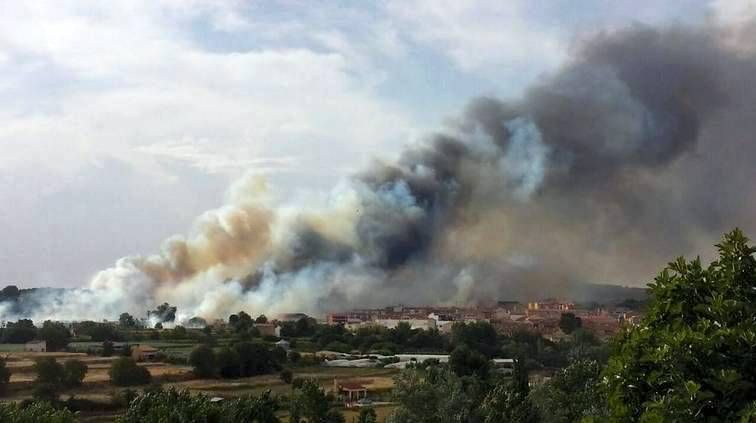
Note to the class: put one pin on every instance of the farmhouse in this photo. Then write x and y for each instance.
(268, 329)
(143, 352)
(35, 346)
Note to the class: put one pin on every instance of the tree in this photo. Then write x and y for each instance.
(310, 402)
(202, 360)
(255, 359)
(107, 349)
(367, 415)
(286, 376)
(55, 334)
(48, 371)
(74, 372)
(181, 406)
(19, 332)
(572, 394)
(163, 313)
(691, 357)
(465, 362)
(432, 395)
(509, 401)
(35, 412)
(5, 375)
(127, 321)
(261, 319)
(568, 322)
(228, 363)
(125, 372)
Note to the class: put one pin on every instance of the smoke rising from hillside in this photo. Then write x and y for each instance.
(639, 149)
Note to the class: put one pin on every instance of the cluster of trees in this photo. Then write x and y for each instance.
(34, 412)
(124, 371)
(53, 376)
(56, 334)
(242, 359)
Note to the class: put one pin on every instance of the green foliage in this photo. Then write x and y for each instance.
(74, 372)
(125, 372)
(48, 371)
(107, 349)
(56, 335)
(310, 402)
(479, 336)
(19, 332)
(228, 363)
(97, 331)
(432, 395)
(255, 359)
(46, 392)
(505, 403)
(465, 362)
(286, 376)
(568, 323)
(367, 415)
(202, 360)
(572, 394)
(692, 358)
(127, 321)
(180, 407)
(36, 412)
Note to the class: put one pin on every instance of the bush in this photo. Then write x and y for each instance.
(45, 392)
(285, 376)
(35, 412)
(107, 349)
(294, 357)
(49, 371)
(202, 360)
(74, 372)
(125, 372)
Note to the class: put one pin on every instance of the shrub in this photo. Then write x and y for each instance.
(285, 376)
(5, 375)
(74, 372)
(202, 360)
(125, 372)
(35, 412)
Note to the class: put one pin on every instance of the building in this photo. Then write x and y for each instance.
(550, 305)
(268, 329)
(143, 352)
(426, 324)
(35, 346)
(349, 391)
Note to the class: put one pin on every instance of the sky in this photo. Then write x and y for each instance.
(122, 121)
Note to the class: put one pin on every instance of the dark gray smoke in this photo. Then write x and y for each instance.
(639, 149)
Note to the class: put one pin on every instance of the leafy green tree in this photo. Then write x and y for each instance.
(228, 363)
(55, 334)
(202, 360)
(568, 323)
(432, 395)
(127, 321)
(479, 336)
(261, 319)
(465, 362)
(367, 415)
(509, 401)
(36, 412)
(181, 406)
(572, 394)
(255, 359)
(125, 372)
(691, 358)
(74, 372)
(107, 349)
(49, 371)
(19, 332)
(310, 402)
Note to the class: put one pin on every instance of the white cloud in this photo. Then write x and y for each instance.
(480, 36)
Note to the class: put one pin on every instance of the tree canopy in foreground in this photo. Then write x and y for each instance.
(693, 356)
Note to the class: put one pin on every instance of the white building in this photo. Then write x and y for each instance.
(425, 324)
(35, 346)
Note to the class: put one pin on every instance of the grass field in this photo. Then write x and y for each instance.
(97, 387)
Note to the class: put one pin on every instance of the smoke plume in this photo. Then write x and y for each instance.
(640, 148)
